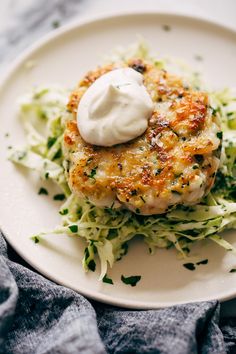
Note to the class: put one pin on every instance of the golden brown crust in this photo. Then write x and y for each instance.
(170, 162)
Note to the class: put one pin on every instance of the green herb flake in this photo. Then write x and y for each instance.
(219, 135)
(46, 175)
(125, 248)
(64, 212)
(7, 135)
(93, 172)
(107, 280)
(215, 110)
(21, 155)
(35, 239)
(204, 261)
(73, 228)
(92, 265)
(51, 141)
(57, 155)
(189, 266)
(195, 167)
(158, 171)
(233, 270)
(113, 233)
(43, 190)
(59, 197)
(55, 24)
(133, 192)
(132, 280)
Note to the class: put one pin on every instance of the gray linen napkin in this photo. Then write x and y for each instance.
(37, 316)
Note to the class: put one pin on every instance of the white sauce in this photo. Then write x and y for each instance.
(115, 108)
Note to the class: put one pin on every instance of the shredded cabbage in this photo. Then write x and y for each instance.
(108, 230)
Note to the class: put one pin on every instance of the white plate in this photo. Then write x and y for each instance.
(63, 58)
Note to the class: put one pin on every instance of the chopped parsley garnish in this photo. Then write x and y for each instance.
(46, 175)
(199, 158)
(51, 141)
(59, 197)
(113, 233)
(57, 155)
(133, 280)
(21, 155)
(35, 239)
(186, 249)
(219, 135)
(233, 270)
(93, 172)
(195, 167)
(55, 24)
(192, 266)
(125, 247)
(133, 192)
(73, 228)
(107, 280)
(43, 190)
(158, 171)
(92, 265)
(189, 266)
(64, 212)
(204, 261)
(215, 110)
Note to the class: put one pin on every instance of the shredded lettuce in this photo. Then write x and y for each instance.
(107, 230)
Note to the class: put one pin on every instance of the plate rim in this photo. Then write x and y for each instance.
(12, 68)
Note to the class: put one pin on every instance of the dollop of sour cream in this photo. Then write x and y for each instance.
(115, 108)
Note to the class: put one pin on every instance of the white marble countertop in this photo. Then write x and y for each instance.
(24, 21)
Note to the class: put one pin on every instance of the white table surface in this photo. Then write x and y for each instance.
(23, 21)
(223, 11)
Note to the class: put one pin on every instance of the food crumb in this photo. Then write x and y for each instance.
(55, 24)
(30, 64)
(198, 57)
(166, 28)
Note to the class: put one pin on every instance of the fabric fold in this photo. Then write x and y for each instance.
(38, 316)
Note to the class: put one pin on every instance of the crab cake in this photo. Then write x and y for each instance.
(173, 162)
